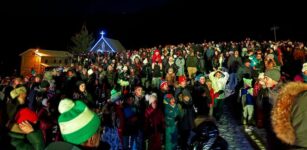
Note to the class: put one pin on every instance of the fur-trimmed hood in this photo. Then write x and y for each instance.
(282, 112)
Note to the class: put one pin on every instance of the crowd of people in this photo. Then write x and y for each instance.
(159, 98)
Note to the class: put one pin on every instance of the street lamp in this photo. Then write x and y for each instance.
(274, 28)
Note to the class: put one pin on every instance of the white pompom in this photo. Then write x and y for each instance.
(65, 105)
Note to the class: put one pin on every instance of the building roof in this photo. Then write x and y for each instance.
(115, 44)
(48, 53)
(108, 45)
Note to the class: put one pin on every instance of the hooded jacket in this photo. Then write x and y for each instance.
(289, 115)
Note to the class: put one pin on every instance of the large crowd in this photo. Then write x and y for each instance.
(167, 97)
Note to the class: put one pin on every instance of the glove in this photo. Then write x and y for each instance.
(220, 92)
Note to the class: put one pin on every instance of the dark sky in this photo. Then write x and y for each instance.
(49, 24)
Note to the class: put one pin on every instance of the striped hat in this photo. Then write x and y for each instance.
(77, 122)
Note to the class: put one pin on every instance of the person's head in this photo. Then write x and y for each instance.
(304, 69)
(44, 85)
(26, 79)
(78, 124)
(201, 79)
(157, 52)
(26, 114)
(136, 60)
(271, 77)
(81, 86)
(171, 59)
(169, 99)
(182, 81)
(138, 90)
(153, 100)
(170, 70)
(164, 86)
(247, 63)
(20, 93)
(218, 74)
(216, 53)
(70, 73)
(17, 81)
(236, 53)
(259, 56)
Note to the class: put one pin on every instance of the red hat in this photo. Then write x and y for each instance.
(26, 114)
(163, 83)
(181, 79)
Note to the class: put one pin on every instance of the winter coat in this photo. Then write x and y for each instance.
(31, 141)
(202, 98)
(154, 121)
(273, 93)
(156, 72)
(180, 62)
(171, 79)
(156, 58)
(243, 70)
(219, 84)
(168, 65)
(192, 61)
(45, 123)
(172, 115)
(188, 115)
(289, 115)
(234, 63)
(146, 71)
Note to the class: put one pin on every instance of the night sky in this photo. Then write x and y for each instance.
(143, 23)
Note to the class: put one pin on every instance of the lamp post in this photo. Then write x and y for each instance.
(274, 28)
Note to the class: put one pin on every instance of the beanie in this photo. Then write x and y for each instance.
(115, 95)
(163, 83)
(181, 79)
(44, 84)
(26, 114)
(274, 74)
(167, 98)
(248, 82)
(77, 122)
(16, 92)
(199, 76)
(90, 72)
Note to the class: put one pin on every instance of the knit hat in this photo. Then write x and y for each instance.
(48, 75)
(248, 82)
(77, 122)
(45, 102)
(167, 98)
(270, 56)
(90, 72)
(44, 84)
(115, 95)
(181, 79)
(26, 114)
(145, 61)
(163, 83)
(304, 67)
(274, 74)
(16, 92)
(247, 60)
(199, 76)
